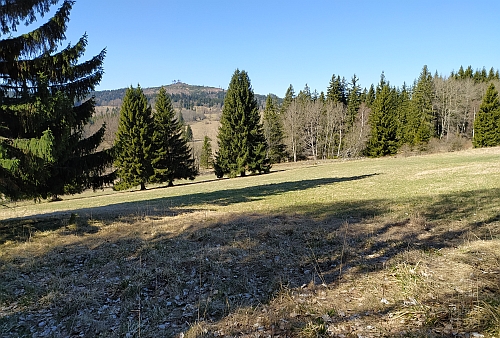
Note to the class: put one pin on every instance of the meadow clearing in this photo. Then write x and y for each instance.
(389, 247)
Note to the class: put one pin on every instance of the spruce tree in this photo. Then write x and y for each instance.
(336, 91)
(133, 144)
(383, 121)
(172, 158)
(405, 134)
(206, 157)
(421, 121)
(487, 122)
(187, 132)
(43, 112)
(370, 96)
(273, 131)
(242, 145)
(353, 101)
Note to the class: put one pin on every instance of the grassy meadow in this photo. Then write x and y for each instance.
(390, 247)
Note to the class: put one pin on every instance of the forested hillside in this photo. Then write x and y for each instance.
(184, 96)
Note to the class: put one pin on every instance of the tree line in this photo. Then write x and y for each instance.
(348, 121)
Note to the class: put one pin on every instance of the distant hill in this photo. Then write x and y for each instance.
(199, 106)
(184, 96)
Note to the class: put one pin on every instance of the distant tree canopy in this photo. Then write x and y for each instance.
(43, 150)
(349, 121)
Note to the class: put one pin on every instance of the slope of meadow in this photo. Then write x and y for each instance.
(392, 247)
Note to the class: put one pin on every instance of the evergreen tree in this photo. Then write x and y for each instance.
(172, 158)
(188, 133)
(287, 100)
(206, 158)
(487, 122)
(370, 96)
(43, 149)
(421, 121)
(353, 100)
(336, 91)
(405, 134)
(242, 145)
(273, 131)
(133, 144)
(383, 121)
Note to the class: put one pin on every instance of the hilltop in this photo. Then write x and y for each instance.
(184, 96)
(200, 107)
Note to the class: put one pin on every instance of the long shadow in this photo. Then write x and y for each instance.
(241, 262)
(20, 228)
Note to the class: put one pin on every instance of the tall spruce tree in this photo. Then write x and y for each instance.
(133, 143)
(353, 100)
(421, 121)
(487, 122)
(43, 112)
(383, 121)
(172, 158)
(273, 131)
(242, 145)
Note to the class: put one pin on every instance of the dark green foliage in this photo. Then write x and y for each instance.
(43, 149)
(133, 143)
(370, 96)
(405, 133)
(384, 122)
(420, 122)
(487, 123)
(353, 101)
(337, 89)
(479, 76)
(206, 157)
(273, 131)
(188, 132)
(287, 101)
(242, 145)
(172, 158)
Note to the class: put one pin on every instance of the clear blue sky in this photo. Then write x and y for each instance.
(202, 42)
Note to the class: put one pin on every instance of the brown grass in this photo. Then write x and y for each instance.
(405, 247)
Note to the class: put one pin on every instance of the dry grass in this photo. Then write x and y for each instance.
(395, 247)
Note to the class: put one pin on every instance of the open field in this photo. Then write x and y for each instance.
(391, 247)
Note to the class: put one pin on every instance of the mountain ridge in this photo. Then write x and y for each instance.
(183, 96)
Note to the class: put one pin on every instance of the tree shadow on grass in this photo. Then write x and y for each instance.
(216, 269)
(20, 229)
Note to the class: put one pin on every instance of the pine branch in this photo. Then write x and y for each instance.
(13, 12)
(41, 40)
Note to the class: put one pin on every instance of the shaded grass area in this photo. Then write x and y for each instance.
(275, 259)
(22, 228)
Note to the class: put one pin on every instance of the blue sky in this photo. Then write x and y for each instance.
(153, 42)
